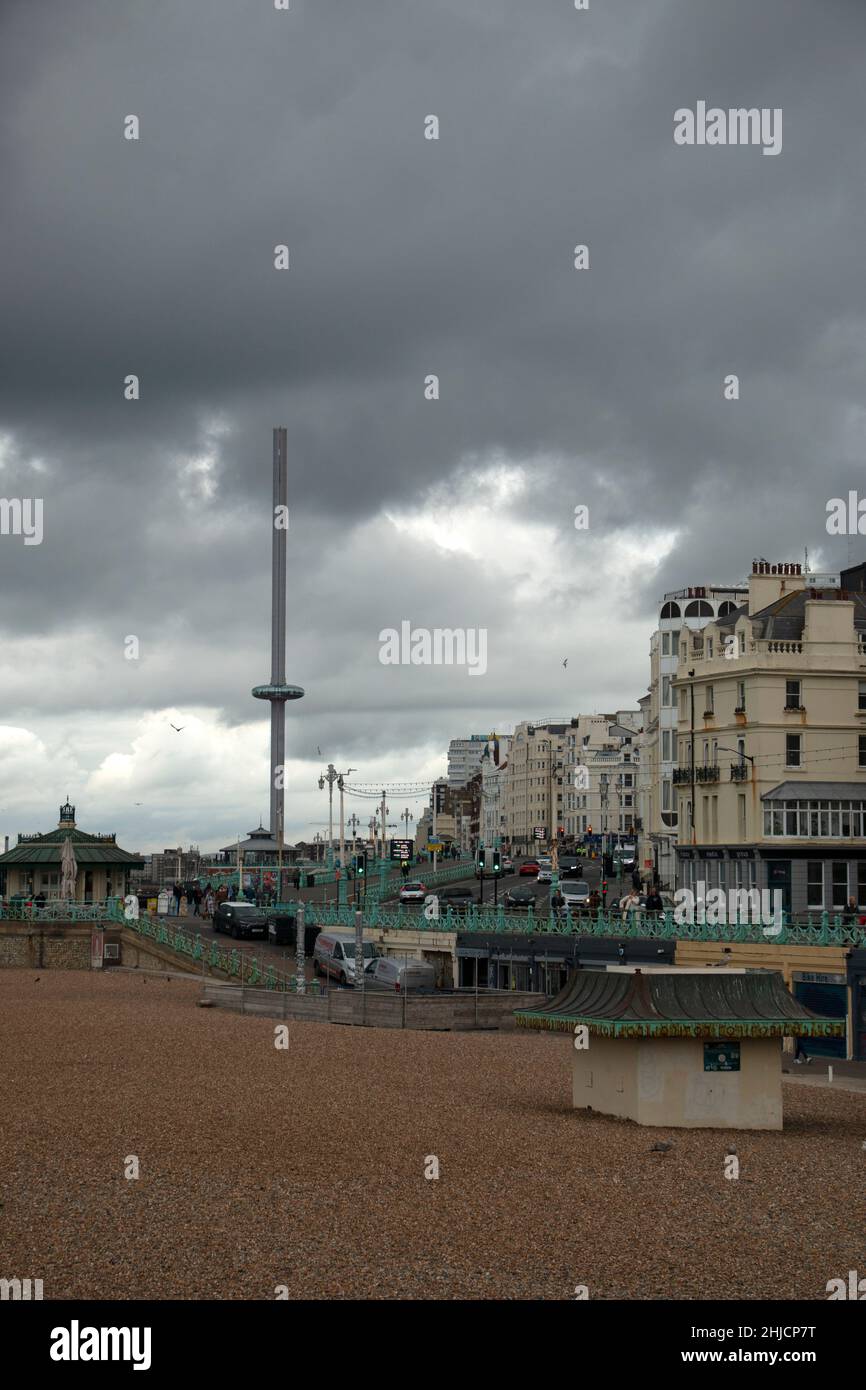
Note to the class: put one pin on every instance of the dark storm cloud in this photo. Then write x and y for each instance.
(411, 257)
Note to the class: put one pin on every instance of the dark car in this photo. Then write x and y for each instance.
(459, 899)
(520, 898)
(574, 871)
(240, 919)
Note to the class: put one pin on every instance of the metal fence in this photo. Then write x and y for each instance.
(823, 929)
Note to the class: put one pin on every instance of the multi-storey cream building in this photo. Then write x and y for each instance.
(493, 774)
(771, 772)
(601, 762)
(543, 798)
(531, 795)
(683, 610)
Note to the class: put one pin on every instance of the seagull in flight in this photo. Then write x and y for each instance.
(318, 750)
(176, 729)
(565, 662)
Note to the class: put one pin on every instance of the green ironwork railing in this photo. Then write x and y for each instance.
(823, 931)
(61, 910)
(227, 960)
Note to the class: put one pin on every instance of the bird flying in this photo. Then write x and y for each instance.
(176, 729)
(565, 662)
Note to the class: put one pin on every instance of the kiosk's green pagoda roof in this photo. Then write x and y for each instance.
(673, 1004)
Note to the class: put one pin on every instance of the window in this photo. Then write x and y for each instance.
(793, 750)
(666, 644)
(742, 644)
(709, 698)
(709, 648)
(815, 884)
(670, 610)
(726, 608)
(792, 694)
(741, 749)
(815, 819)
(840, 884)
(699, 609)
(741, 817)
(666, 795)
(861, 883)
(741, 695)
(861, 694)
(861, 742)
(666, 690)
(666, 746)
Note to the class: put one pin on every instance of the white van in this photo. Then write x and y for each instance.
(400, 975)
(334, 955)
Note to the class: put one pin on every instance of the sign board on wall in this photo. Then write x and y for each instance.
(721, 1056)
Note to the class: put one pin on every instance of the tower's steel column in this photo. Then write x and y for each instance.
(278, 628)
(278, 692)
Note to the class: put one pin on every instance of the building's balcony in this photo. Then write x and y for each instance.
(704, 773)
(739, 772)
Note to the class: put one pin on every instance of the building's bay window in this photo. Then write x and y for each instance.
(814, 820)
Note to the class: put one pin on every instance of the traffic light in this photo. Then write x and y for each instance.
(362, 864)
(482, 853)
(497, 862)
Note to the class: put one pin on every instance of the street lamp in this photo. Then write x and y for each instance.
(737, 752)
(330, 777)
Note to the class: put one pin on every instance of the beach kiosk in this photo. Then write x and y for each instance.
(679, 1047)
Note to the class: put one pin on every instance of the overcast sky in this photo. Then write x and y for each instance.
(600, 387)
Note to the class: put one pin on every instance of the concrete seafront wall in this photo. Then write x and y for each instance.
(378, 1009)
(66, 946)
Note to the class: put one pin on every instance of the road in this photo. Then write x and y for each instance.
(283, 958)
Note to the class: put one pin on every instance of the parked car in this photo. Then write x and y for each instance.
(413, 893)
(521, 898)
(530, 867)
(334, 956)
(545, 875)
(240, 919)
(402, 976)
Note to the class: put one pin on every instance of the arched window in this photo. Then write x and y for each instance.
(727, 607)
(699, 608)
(670, 610)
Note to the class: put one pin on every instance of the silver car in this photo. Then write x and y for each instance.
(401, 975)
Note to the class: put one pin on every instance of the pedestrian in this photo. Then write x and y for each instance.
(177, 890)
(654, 902)
(593, 902)
(557, 902)
(197, 896)
(630, 907)
(635, 881)
(801, 1054)
(209, 903)
(297, 880)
